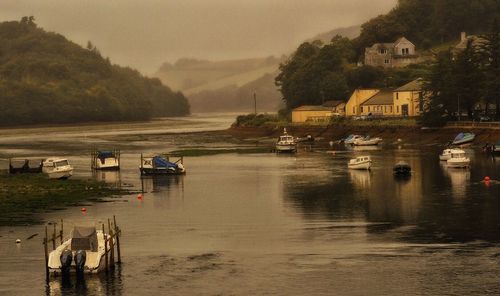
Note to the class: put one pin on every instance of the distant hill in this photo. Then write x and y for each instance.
(45, 78)
(349, 32)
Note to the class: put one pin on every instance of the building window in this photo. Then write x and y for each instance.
(354, 110)
(397, 96)
(361, 108)
(386, 61)
(405, 51)
(397, 109)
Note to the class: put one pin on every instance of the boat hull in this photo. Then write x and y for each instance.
(107, 164)
(60, 174)
(280, 148)
(458, 163)
(372, 142)
(360, 166)
(161, 171)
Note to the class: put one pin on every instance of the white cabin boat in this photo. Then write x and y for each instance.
(351, 138)
(360, 163)
(84, 252)
(367, 141)
(286, 143)
(57, 168)
(458, 159)
(445, 155)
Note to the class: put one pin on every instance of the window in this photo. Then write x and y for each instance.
(368, 108)
(361, 108)
(397, 96)
(405, 51)
(397, 109)
(386, 61)
(354, 110)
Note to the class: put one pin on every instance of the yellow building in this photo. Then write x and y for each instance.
(380, 104)
(311, 114)
(409, 99)
(358, 97)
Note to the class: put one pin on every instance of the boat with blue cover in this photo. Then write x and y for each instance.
(463, 138)
(161, 165)
(106, 159)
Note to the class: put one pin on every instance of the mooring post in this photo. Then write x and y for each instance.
(54, 237)
(105, 248)
(46, 252)
(117, 231)
(61, 233)
(111, 245)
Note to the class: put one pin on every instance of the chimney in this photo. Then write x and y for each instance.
(463, 36)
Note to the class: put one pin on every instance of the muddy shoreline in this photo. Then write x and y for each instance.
(415, 135)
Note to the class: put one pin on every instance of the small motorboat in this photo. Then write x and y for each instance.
(495, 149)
(161, 165)
(402, 168)
(351, 138)
(463, 138)
(83, 252)
(25, 165)
(57, 168)
(360, 163)
(286, 143)
(306, 139)
(367, 141)
(445, 155)
(106, 160)
(458, 159)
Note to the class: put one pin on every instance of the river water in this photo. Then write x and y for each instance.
(252, 224)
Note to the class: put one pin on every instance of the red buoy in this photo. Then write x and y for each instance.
(487, 178)
(139, 196)
(84, 209)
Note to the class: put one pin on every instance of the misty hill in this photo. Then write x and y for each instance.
(349, 32)
(45, 78)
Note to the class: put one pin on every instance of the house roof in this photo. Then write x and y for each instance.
(415, 85)
(383, 97)
(312, 108)
(401, 39)
(332, 103)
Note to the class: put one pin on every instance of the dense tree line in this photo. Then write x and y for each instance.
(467, 81)
(44, 78)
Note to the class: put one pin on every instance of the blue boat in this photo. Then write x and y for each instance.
(161, 165)
(463, 138)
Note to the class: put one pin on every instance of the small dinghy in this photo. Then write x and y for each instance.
(458, 159)
(286, 143)
(83, 252)
(445, 155)
(463, 138)
(360, 163)
(402, 168)
(57, 168)
(367, 141)
(161, 165)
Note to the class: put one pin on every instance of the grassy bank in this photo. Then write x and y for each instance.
(24, 196)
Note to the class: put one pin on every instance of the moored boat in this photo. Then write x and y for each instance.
(458, 159)
(495, 149)
(57, 168)
(445, 155)
(360, 163)
(106, 160)
(367, 141)
(463, 138)
(83, 252)
(161, 165)
(349, 140)
(286, 143)
(402, 168)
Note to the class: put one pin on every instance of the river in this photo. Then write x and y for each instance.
(253, 224)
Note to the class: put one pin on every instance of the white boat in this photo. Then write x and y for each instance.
(367, 141)
(286, 143)
(458, 159)
(351, 138)
(83, 252)
(445, 155)
(57, 168)
(106, 160)
(360, 163)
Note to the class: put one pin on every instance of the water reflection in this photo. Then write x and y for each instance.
(459, 177)
(360, 178)
(89, 284)
(162, 183)
(110, 177)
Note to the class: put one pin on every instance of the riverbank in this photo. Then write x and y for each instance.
(409, 134)
(24, 196)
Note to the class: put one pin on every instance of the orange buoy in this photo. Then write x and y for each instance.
(487, 179)
(84, 209)
(139, 196)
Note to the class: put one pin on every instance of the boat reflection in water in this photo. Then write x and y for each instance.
(360, 178)
(459, 178)
(97, 284)
(365, 148)
(157, 183)
(109, 177)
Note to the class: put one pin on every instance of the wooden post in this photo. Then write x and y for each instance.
(117, 231)
(111, 246)
(105, 248)
(54, 237)
(61, 233)
(46, 252)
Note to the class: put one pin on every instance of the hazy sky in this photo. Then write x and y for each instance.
(145, 33)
